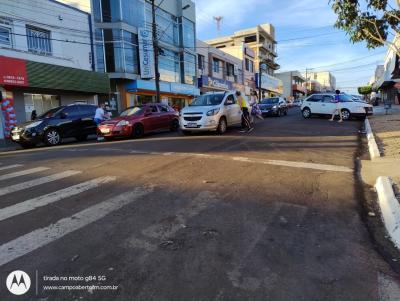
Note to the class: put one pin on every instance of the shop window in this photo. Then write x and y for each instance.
(41, 103)
(188, 33)
(169, 66)
(215, 65)
(189, 63)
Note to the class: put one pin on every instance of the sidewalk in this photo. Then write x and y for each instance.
(6, 145)
(386, 129)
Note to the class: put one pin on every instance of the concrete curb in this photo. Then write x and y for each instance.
(390, 208)
(373, 147)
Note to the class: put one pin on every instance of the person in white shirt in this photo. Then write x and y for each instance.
(100, 115)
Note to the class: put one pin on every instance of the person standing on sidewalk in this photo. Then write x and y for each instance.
(338, 107)
(245, 113)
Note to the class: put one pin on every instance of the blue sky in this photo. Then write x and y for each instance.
(320, 44)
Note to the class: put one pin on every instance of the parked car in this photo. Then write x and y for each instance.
(323, 104)
(51, 127)
(211, 112)
(139, 120)
(275, 106)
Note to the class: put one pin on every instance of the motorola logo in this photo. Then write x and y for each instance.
(18, 282)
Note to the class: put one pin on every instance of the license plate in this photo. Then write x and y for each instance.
(192, 125)
(105, 131)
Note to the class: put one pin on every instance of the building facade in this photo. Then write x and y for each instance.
(124, 49)
(217, 70)
(46, 59)
(324, 79)
(261, 40)
(294, 84)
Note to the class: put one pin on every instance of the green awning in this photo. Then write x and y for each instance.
(49, 76)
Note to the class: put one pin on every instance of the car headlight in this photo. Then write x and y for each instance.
(33, 124)
(274, 107)
(123, 123)
(213, 112)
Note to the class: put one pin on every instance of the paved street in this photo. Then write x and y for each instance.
(271, 215)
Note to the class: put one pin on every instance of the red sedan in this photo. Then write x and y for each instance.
(137, 121)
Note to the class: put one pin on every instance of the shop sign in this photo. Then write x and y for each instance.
(146, 53)
(212, 82)
(13, 72)
(270, 83)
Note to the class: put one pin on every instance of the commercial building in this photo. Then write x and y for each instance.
(388, 78)
(46, 59)
(124, 50)
(294, 84)
(218, 70)
(324, 79)
(261, 40)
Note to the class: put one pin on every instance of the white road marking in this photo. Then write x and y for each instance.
(295, 164)
(22, 173)
(10, 166)
(39, 181)
(41, 237)
(56, 196)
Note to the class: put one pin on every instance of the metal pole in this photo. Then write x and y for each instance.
(306, 82)
(155, 48)
(259, 82)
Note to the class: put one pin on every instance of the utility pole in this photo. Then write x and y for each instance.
(259, 81)
(155, 49)
(306, 82)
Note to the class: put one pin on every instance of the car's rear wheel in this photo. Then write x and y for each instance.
(222, 126)
(81, 137)
(346, 114)
(174, 125)
(137, 131)
(306, 113)
(52, 137)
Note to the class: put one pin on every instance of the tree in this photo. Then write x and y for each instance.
(365, 90)
(374, 21)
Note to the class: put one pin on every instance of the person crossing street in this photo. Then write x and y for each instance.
(244, 106)
(338, 107)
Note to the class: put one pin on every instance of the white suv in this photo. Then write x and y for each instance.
(323, 104)
(211, 112)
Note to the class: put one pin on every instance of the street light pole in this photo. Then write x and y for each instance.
(259, 82)
(155, 49)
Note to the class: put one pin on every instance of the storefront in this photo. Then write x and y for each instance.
(271, 86)
(210, 84)
(175, 94)
(28, 87)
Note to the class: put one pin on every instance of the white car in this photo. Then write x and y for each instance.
(323, 104)
(211, 112)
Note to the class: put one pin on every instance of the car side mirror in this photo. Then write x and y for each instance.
(228, 102)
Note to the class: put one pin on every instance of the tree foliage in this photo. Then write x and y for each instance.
(371, 21)
(364, 90)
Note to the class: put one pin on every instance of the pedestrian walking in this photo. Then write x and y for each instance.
(99, 116)
(245, 113)
(338, 107)
(255, 108)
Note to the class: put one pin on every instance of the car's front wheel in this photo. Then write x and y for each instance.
(52, 137)
(306, 113)
(346, 114)
(222, 126)
(174, 125)
(137, 131)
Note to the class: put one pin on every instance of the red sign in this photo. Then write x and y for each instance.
(13, 72)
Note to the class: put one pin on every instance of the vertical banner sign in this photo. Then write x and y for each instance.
(10, 118)
(146, 53)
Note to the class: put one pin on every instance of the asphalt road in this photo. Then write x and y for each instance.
(271, 215)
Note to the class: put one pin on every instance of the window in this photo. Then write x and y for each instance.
(230, 100)
(130, 52)
(88, 110)
(230, 69)
(189, 63)
(250, 39)
(113, 50)
(315, 98)
(169, 66)
(327, 98)
(201, 61)
(215, 65)
(98, 36)
(38, 40)
(249, 65)
(5, 36)
(72, 111)
(111, 11)
(188, 33)
(163, 109)
(167, 25)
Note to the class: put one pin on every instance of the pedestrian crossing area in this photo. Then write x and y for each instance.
(13, 208)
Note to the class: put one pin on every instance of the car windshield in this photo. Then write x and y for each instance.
(50, 113)
(270, 101)
(208, 100)
(132, 111)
